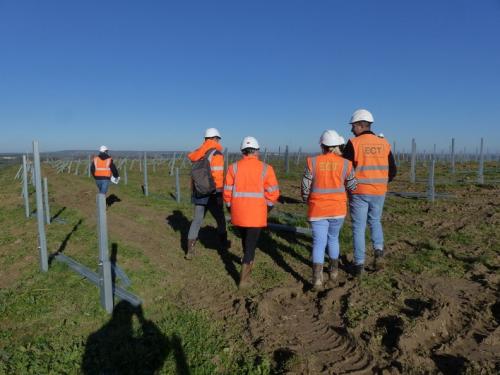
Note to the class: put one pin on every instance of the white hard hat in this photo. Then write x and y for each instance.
(212, 132)
(331, 138)
(381, 135)
(103, 149)
(361, 115)
(249, 142)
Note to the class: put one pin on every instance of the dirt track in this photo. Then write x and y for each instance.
(416, 323)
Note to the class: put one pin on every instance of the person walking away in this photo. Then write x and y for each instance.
(374, 167)
(103, 168)
(250, 192)
(326, 179)
(212, 202)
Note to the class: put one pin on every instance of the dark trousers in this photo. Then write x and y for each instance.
(249, 239)
(215, 207)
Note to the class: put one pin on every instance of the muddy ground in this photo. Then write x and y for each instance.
(435, 308)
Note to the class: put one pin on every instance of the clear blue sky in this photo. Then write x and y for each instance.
(152, 75)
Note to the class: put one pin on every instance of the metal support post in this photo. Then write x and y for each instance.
(480, 172)
(25, 188)
(177, 187)
(287, 160)
(145, 169)
(413, 161)
(42, 240)
(105, 280)
(431, 192)
(46, 200)
(453, 155)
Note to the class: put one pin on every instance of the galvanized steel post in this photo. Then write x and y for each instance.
(453, 155)
(413, 161)
(177, 186)
(145, 169)
(46, 200)
(480, 172)
(125, 174)
(287, 160)
(105, 282)
(42, 240)
(431, 192)
(25, 188)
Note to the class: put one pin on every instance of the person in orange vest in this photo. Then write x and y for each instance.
(250, 192)
(326, 179)
(103, 169)
(374, 167)
(211, 148)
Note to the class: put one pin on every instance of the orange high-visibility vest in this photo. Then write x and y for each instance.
(250, 186)
(371, 164)
(216, 161)
(328, 197)
(102, 167)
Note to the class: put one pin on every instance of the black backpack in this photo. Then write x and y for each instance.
(201, 175)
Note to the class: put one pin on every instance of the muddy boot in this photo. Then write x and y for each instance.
(358, 270)
(246, 270)
(223, 241)
(378, 260)
(317, 276)
(333, 268)
(190, 250)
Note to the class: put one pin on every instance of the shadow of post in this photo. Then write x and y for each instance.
(64, 243)
(118, 348)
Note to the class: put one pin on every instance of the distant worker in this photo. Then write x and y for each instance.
(374, 167)
(381, 135)
(210, 199)
(103, 169)
(250, 192)
(326, 179)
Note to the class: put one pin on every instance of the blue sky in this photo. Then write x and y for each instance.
(152, 75)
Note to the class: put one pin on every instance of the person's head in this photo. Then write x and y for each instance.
(103, 149)
(331, 142)
(249, 146)
(213, 134)
(361, 121)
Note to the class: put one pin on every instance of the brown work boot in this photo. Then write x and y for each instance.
(333, 268)
(190, 249)
(317, 276)
(246, 269)
(378, 260)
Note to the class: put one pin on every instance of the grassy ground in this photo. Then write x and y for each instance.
(191, 320)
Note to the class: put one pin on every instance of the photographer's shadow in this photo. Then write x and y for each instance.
(119, 348)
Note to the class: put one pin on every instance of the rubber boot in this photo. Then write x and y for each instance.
(317, 276)
(358, 270)
(333, 268)
(246, 270)
(378, 260)
(223, 241)
(190, 249)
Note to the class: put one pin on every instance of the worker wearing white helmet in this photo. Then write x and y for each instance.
(375, 166)
(211, 150)
(250, 191)
(104, 170)
(327, 178)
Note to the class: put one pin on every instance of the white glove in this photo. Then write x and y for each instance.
(115, 180)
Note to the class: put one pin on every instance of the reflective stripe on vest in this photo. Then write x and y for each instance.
(237, 194)
(372, 168)
(372, 180)
(216, 168)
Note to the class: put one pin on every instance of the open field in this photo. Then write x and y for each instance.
(434, 309)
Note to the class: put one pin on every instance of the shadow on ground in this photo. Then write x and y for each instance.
(119, 348)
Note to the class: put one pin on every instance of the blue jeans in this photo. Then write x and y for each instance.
(326, 232)
(366, 209)
(102, 185)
